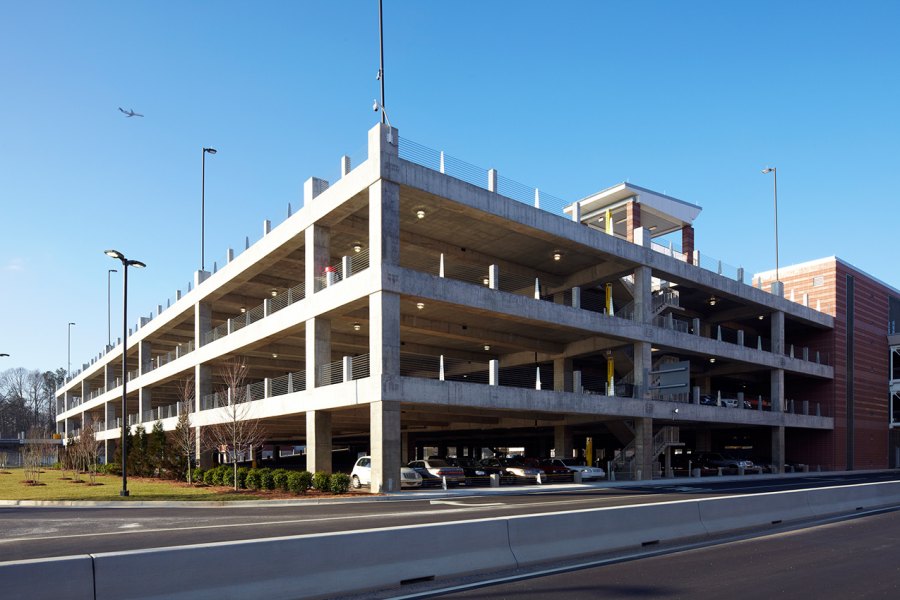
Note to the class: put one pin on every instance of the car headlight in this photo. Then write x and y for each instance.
(479, 472)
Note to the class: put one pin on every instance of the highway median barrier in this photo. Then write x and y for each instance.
(48, 578)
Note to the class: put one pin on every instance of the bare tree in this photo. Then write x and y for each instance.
(3, 458)
(33, 455)
(236, 433)
(88, 451)
(185, 438)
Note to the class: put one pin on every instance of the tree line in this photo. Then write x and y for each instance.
(27, 400)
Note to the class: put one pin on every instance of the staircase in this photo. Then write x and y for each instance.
(662, 440)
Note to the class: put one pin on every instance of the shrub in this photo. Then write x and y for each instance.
(321, 481)
(280, 479)
(298, 482)
(211, 477)
(242, 477)
(225, 475)
(198, 474)
(340, 483)
(111, 469)
(252, 480)
(266, 479)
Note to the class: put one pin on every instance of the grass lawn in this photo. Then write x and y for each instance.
(56, 488)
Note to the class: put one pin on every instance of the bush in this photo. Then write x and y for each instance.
(298, 482)
(340, 483)
(225, 475)
(242, 477)
(266, 479)
(252, 480)
(280, 479)
(321, 481)
(197, 475)
(211, 477)
(111, 469)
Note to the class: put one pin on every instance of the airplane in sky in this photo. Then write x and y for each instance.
(129, 113)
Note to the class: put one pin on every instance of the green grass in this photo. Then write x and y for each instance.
(56, 488)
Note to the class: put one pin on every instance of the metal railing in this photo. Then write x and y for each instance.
(359, 366)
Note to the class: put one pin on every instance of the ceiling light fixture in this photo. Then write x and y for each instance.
(243, 309)
(557, 255)
(420, 214)
(357, 326)
(274, 355)
(274, 293)
(487, 347)
(486, 281)
(712, 360)
(712, 300)
(420, 305)
(761, 317)
(357, 247)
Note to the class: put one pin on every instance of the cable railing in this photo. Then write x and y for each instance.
(359, 366)
(348, 266)
(280, 300)
(330, 374)
(288, 384)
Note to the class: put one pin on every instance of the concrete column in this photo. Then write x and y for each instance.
(346, 167)
(145, 397)
(562, 374)
(384, 150)
(777, 332)
(643, 359)
(687, 242)
(202, 384)
(318, 441)
(406, 451)
(109, 376)
(384, 334)
(643, 448)
(318, 255)
(312, 187)
(632, 218)
(85, 390)
(384, 431)
(778, 448)
(202, 322)
(777, 389)
(643, 296)
(110, 414)
(384, 224)
(318, 349)
(145, 358)
(562, 441)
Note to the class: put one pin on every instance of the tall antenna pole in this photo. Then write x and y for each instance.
(381, 63)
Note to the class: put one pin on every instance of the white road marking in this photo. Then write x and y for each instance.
(457, 503)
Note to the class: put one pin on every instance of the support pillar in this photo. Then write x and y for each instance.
(318, 441)
(318, 349)
(643, 448)
(643, 295)
(632, 218)
(562, 374)
(384, 334)
(778, 448)
(317, 254)
(562, 441)
(687, 243)
(384, 431)
(643, 359)
(145, 358)
(145, 397)
(776, 394)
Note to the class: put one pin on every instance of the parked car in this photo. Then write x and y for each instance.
(513, 467)
(472, 468)
(728, 463)
(576, 465)
(683, 464)
(362, 474)
(547, 465)
(437, 469)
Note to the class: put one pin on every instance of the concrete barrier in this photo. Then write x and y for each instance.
(539, 538)
(311, 566)
(48, 578)
(847, 499)
(720, 515)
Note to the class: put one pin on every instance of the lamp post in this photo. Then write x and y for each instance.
(774, 173)
(109, 272)
(203, 206)
(69, 352)
(125, 264)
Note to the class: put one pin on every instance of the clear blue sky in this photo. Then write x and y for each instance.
(687, 98)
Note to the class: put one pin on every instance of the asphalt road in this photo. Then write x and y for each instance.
(855, 558)
(39, 532)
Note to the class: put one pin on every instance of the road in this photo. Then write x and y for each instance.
(39, 532)
(855, 558)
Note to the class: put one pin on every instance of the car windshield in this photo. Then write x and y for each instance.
(434, 462)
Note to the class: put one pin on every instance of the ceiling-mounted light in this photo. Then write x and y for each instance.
(357, 247)
(274, 292)
(486, 281)
(357, 326)
(243, 309)
(712, 300)
(761, 317)
(274, 355)
(557, 255)
(420, 213)
(420, 305)
(487, 347)
(712, 360)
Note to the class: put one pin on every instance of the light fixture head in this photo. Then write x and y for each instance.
(357, 247)
(2, 354)
(557, 255)
(114, 254)
(136, 264)
(487, 347)
(210, 150)
(375, 104)
(357, 326)
(274, 355)
(712, 300)
(420, 305)
(420, 214)
(486, 281)
(675, 411)
(274, 292)
(768, 170)
(761, 317)
(243, 309)
(712, 360)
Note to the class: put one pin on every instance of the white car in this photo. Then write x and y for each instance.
(576, 465)
(362, 474)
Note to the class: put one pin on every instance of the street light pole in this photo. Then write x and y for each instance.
(125, 264)
(774, 172)
(69, 353)
(108, 321)
(203, 205)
